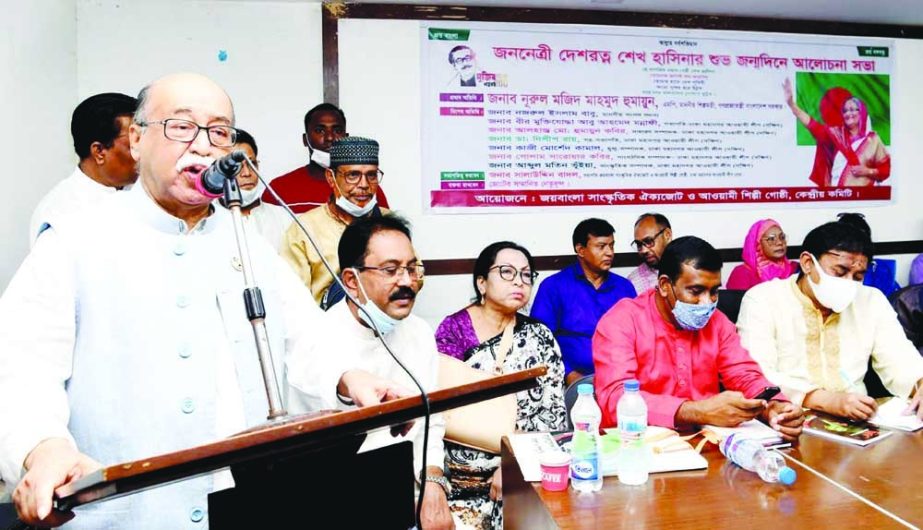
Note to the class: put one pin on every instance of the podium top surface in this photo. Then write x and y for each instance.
(277, 439)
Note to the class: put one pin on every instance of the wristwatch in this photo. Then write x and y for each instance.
(442, 481)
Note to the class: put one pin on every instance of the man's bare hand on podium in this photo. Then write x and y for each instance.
(366, 389)
(52, 463)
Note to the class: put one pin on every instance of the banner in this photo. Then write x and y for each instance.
(518, 116)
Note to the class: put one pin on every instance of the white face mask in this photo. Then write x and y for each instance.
(321, 158)
(354, 210)
(252, 195)
(836, 294)
(383, 321)
(351, 208)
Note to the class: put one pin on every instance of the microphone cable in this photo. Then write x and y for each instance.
(378, 334)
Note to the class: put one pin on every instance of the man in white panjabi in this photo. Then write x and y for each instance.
(381, 270)
(814, 333)
(99, 127)
(125, 334)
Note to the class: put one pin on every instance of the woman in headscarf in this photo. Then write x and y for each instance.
(764, 257)
(849, 152)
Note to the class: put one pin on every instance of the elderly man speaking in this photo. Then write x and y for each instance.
(124, 332)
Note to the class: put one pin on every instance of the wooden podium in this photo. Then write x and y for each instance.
(273, 459)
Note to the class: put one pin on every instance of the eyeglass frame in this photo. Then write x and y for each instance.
(199, 128)
(415, 276)
(647, 242)
(380, 176)
(468, 59)
(522, 274)
(772, 239)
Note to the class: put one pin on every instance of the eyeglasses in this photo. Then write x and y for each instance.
(415, 271)
(647, 242)
(353, 177)
(778, 237)
(508, 273)
(187, 131)
(464, 59)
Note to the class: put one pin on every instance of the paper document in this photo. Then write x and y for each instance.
(668, 452)
(891, 415)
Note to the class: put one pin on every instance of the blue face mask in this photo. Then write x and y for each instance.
(693, 317)
(383, 321)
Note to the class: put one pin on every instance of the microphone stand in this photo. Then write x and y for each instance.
(253, 302)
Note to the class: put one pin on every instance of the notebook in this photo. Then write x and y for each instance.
(842, 430)
(891, 415)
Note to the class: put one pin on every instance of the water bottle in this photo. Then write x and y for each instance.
(585, 473)
(633, 458)
(752, 456)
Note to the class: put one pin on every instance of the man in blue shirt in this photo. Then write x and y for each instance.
(571, 301)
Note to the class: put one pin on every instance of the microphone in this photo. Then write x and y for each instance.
(211, 182)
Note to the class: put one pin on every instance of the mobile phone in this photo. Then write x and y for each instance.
(767, 393)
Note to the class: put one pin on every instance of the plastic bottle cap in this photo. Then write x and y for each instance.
(584, 388)
(787, 476)
(632, 385)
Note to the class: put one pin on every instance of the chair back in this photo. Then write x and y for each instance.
(908, 304)
(729, 302)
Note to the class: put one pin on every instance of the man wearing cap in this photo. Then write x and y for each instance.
(353, 178)
(305, 187)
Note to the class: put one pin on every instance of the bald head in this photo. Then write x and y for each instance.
(170, 169)
(652, 235)
(181, 81)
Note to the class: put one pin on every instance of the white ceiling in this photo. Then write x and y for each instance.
(899, 12)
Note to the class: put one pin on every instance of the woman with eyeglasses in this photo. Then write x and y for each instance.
(764, 257)
(491, 335)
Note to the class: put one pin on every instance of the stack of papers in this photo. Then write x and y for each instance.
(891, 415)
(753, 430)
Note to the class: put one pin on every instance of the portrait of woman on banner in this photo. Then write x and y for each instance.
(849, 152)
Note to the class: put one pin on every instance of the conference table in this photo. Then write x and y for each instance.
(877, 486)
